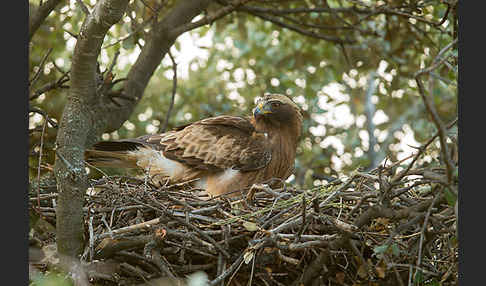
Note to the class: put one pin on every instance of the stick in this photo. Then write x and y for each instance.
(174, 89)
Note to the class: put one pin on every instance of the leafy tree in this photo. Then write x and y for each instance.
(105, 70)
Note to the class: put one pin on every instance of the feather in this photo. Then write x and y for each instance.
(226, 153)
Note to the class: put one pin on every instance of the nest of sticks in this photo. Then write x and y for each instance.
(389, 226)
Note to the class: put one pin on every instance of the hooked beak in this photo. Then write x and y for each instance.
(262, 109)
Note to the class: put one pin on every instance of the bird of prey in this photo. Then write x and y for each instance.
(225, 153)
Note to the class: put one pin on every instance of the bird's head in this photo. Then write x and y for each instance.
(278, 109)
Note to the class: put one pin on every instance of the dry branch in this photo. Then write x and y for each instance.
(169, 231)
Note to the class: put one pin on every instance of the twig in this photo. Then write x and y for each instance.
(399, 176)
(138, 29)
(231, 270)
(422, 233)
(433, 112)
(70, 33)
(108, 77)
(50, 86)
(43, 113)
(70, 168)
(304, 223)
(361, 259)
(151, 251)
(252, 269)
(155, 11)
(334, 193)
(134, 271)
(174, 89)
(183, 222)
(40, 161)
(130, 228)
(210, 18)
(299, 10)
(159, 260)
(41, 67)
(298, 29)
(91, 238)
(112, 65)
(438, 60)
(83, 7)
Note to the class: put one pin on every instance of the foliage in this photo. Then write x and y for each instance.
(247, 56)
(352, 65)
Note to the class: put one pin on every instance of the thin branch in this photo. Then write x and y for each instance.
(174, 89)
(112, 65)
(44, 114)
(279, 12)
(40, 160)
(40, 15)
(68, 165)
(83, 7)
(296, 28)
(70, 33)
(41, 67)
(138, 29)
(398, 177)
(422, 232)
(130, 228)
(166, 212)
(445, 15)
(236, 264)
(383, 9)
(155, 11)
(438, 61)
(403, 14)
(108, 77)
(50, 86)
(210, 18)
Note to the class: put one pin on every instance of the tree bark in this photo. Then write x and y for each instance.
(76, 123)
(87, 114)
(160, 40)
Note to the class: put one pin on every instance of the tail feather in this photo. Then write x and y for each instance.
(122, 145)
(113, 154)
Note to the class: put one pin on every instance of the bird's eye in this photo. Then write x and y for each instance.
(275, 104)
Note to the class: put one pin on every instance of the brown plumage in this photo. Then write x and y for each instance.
(226, 153)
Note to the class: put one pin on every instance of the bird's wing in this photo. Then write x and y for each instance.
(216, 143)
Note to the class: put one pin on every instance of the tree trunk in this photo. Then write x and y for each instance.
(77, 122)
(87, 115)
(161, 38)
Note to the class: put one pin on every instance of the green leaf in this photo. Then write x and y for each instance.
(450, 197)
(434, 282)
(419, 278)
(380, 249)
(129, 43)
(395, 250)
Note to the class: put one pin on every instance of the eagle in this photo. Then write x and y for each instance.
(221, 154)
